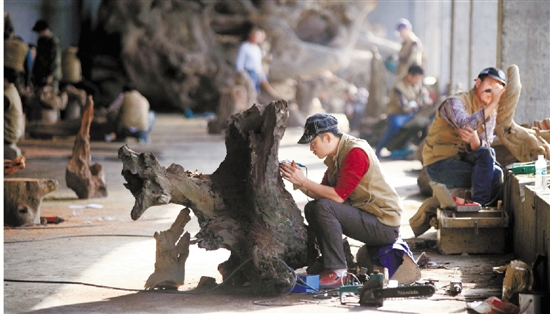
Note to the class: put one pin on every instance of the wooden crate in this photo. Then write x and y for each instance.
(482, 232)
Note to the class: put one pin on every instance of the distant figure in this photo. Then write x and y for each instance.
(355, 105)
(411, 51)
(29, 62)
(249, 60)
(14, 119)
(15, 52)
(134, 119)
(406, 98)
(47, 65)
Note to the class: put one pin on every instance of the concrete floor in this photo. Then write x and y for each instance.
(98, 260)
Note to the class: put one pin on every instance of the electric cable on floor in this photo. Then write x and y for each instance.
(79, 236)
(264, 302)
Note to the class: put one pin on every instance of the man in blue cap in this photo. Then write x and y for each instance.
(352, 199)
(457, 151)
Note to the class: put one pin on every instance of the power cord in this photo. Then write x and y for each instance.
(80, 236)
(263, 302)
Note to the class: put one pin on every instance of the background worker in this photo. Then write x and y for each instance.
(249, 60)
(457, 151)
(412, 51)
(352, 199)
(134, 119)
(406, 97)
(47, 64)
(14, 119)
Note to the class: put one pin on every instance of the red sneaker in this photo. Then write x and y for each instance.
(331, 279)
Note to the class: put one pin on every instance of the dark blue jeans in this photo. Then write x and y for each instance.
(476, 169)
(395, 123)
(330, 220)
(255, 77)
(143, 135)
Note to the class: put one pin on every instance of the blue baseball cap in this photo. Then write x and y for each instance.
(494, 73)
(317, 124)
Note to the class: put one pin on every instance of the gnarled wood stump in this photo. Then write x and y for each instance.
(88, 181)
(243, 206)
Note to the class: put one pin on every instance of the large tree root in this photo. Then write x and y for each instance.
(243, 206)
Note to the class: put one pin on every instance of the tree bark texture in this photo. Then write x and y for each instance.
(243, 206)
(88, 181)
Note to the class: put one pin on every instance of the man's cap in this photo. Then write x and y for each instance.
(495, 73)
(40, 26)
(403, 23)
(317, 124)
(415, 69)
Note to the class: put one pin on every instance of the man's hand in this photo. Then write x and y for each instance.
(470, 136)
(292, 174)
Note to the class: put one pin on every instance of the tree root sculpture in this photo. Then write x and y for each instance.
(172, 252)
(525, 144)
(243, 206)
(87, 181)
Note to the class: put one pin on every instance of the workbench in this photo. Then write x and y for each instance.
(529, 211)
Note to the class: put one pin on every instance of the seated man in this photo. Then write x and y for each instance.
(352, 199)
(457, 151)
(406, 97)
(134, 117)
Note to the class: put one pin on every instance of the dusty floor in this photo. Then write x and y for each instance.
(98, 260)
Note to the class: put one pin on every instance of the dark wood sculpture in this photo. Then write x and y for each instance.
(243, 206)
(88, 181)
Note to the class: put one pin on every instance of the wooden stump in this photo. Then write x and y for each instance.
(243, 206)
(87, 181)
(22, 199)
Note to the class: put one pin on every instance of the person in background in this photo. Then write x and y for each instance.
(15, 52)
(249, 60)
(14, 119)
(134, 119)
(412, 51)
(47, 64)
(353, 197)
(406, 97)
(355, 105)
(457, 151)
(29, 62)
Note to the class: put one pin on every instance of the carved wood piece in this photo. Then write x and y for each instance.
(88, 181)
(172, 252)
(22, 199)
(525, 144)
(243, 206)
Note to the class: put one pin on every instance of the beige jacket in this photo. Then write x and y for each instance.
(14, 119)
(373, 194)
(134, 111)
